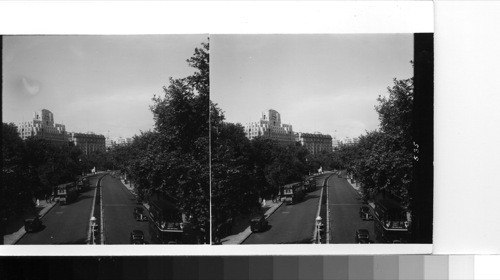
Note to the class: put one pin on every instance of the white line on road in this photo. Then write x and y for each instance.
(91, 215)
(102, 211)
(315, 233)
(345, 204)
(327, 214)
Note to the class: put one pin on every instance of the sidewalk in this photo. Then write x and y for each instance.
(356, 187)
(43, 208)
(132, 190)
(240, 237)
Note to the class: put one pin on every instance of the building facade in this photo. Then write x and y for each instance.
(335, 143)
(88, 142)
(350, 141)
(270, 126)
(110, 143)
(43, 126)
(315, 143)
(123, 141)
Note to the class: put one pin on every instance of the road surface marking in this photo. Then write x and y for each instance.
(118, 205)
(102, 210)
(91, 215)
(327, 214)
(344, 204)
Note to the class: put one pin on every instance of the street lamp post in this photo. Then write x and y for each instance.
(93, 226)
(318, 229)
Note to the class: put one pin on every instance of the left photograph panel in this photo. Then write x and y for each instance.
(105, 139)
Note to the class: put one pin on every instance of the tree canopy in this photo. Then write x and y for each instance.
(382, 161)
(173, 159)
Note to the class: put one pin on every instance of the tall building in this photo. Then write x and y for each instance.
(43, 126)
(122, 141)
(349, 141)
(270, 126)
(110, 143)
(315, 143)
(335, 143)
(88, 142)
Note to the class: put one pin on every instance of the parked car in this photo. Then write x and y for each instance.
(137, 237)
(139, 214)
(365, 213)
(362, 236)
(258, 223)
(32, 224)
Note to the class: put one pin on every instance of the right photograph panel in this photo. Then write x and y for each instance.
(321, 139)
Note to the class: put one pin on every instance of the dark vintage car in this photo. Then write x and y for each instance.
(365, 213)
(139, 214)
(137, 237)
(32, 224)
(362, 236)
(258, 223)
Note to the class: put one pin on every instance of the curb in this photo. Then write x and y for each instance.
(272, 212)
(22, 228)
(325, 185)
(359, 194)
(267, 217)
(250, 232)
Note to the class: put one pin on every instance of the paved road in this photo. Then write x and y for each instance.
(65, 224)
(118, 207)
(344, 203)
(291, 224)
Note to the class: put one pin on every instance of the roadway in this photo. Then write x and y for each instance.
(292, 224)
(344, 203)
(118, 210)
(65, 224)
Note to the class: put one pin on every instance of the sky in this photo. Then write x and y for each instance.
(318, 83)
(102, 84)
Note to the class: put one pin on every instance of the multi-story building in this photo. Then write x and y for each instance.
(88, 142)
(315, 143)
(350, 141)
(270, 126)
(110, 143)
(122, 141)
(335, 143)
(43, 126)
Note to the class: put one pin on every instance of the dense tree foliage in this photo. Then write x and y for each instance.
(31, 169)
(245, 170)
(383, 160)
(173, 159)
(16, 190)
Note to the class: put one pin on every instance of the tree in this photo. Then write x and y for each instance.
(382, 160)
(396, 110)
(289, 166)
(173, 159)
(234, 188)
(16, 195)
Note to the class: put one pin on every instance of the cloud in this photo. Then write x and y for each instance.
(29, 86)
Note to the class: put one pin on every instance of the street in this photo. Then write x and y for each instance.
(292, 224)
(69, 224)
(118, 210)
(344, 203)
(65, 224)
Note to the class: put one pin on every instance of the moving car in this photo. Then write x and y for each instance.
(32, 224)
(365, 213)
(137, 237)
(258, 224)
(139, 214)
(362, 236)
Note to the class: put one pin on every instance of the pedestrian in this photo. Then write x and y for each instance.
(37, 202)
